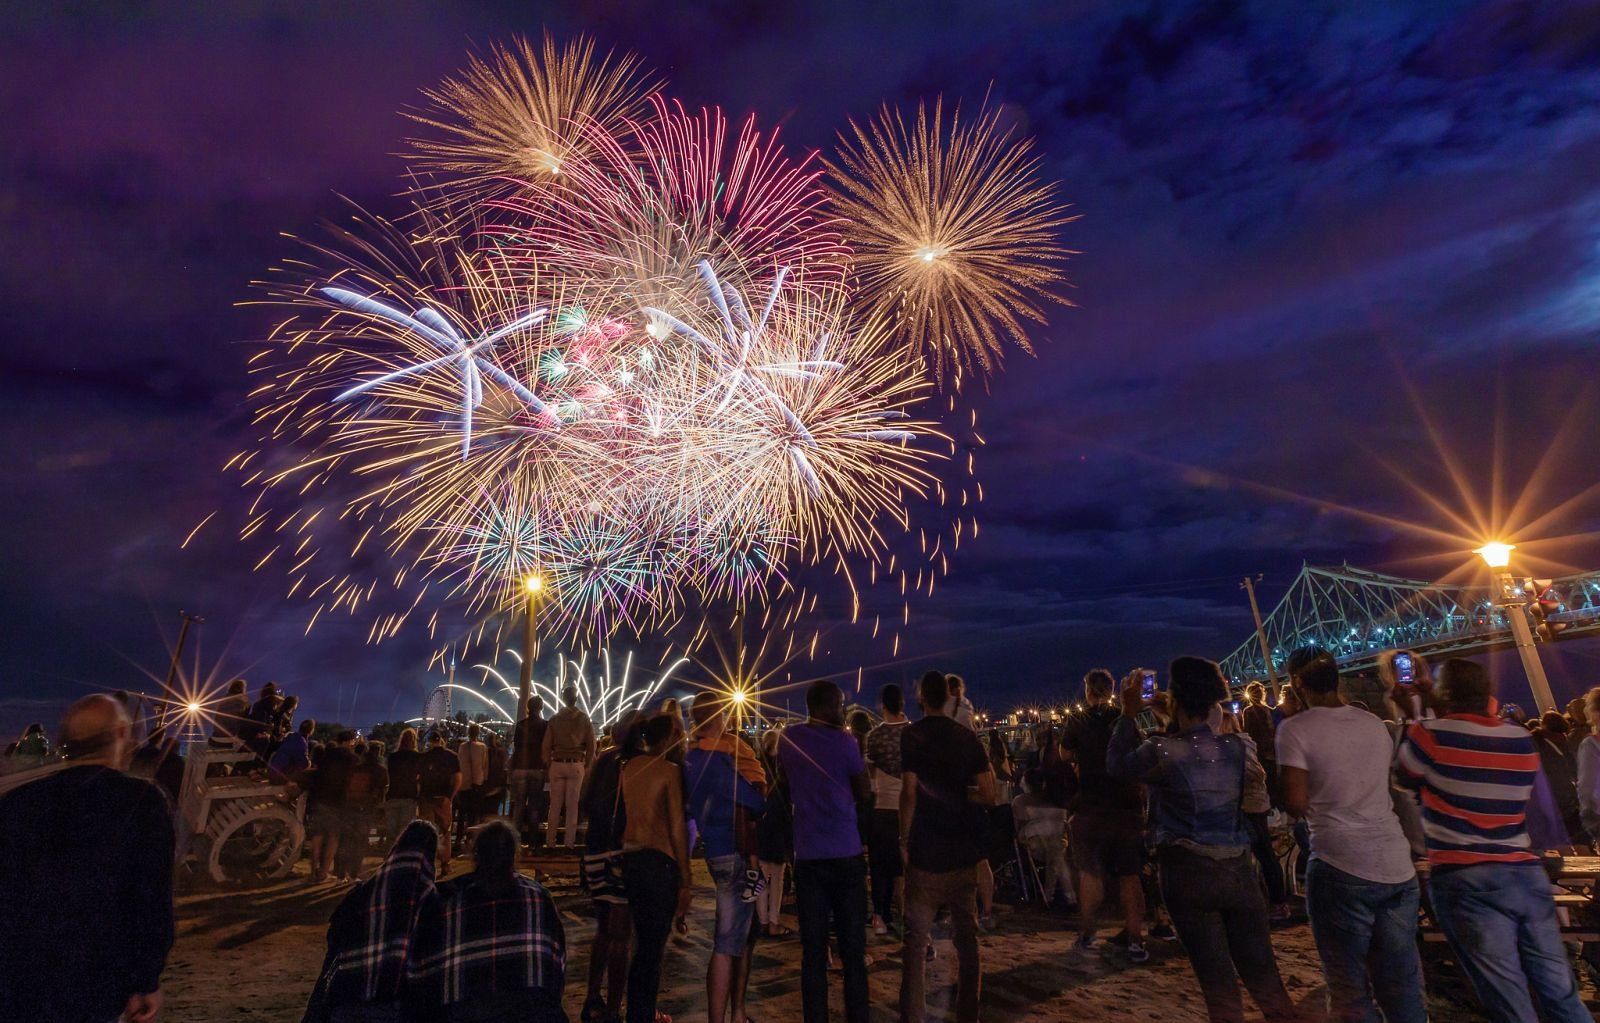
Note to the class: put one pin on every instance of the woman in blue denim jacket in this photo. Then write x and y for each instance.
(1209, 879)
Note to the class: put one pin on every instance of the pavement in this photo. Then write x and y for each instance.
(253, 954)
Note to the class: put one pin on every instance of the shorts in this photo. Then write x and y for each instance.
(1106, 843)
(323, 819)
(602, 877)
(735, 917)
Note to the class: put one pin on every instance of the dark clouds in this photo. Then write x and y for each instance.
(1292, 214)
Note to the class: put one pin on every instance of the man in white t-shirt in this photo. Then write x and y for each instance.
(1361, 886)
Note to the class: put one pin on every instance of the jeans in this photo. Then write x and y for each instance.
(883, 850)
(735, 917)
(1266, 857)
(1220, 915)
(566, 782)
(1366, 935)
(926, 892)
(1501, 924)
(397, 813)
(832, 891)
(769, 906)
(651, 879)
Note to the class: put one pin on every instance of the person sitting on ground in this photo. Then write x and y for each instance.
(1209, 880)
(87, 881)
(371, 937)
(491, 946)
(1487, 811)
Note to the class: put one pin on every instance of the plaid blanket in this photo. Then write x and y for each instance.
(480, 941)
(371, 936)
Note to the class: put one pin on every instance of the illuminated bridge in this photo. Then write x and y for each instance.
(1356, 615)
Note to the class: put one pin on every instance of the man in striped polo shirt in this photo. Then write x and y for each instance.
(1486, 813)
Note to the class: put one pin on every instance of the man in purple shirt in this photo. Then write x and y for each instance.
(827, 778)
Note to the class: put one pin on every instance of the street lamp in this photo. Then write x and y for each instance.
(1510, 599)
(532, 586)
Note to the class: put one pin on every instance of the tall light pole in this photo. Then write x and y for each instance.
(1508, 596)
(1249, 587)
(532, 586)
(169, 695)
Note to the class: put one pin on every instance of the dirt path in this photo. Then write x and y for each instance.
(253, 955)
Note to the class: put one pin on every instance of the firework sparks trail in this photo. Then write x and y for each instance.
(431, 325)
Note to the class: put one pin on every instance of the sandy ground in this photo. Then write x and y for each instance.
(253, 955)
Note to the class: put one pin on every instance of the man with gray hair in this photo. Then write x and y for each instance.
(88, 865)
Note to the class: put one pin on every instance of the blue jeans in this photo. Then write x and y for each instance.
(1366, 934)
(1501, 922)
(735, 917)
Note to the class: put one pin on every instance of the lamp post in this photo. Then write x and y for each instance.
(532, 586)
(1508, 596)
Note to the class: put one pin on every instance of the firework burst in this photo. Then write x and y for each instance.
(515, 118)
(953, 232)
(625, 347)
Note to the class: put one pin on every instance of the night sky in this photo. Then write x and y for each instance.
(1326, 249)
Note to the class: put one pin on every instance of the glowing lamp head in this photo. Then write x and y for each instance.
(533, 584)
(738, 697)
(194, 707)
(1496, 554)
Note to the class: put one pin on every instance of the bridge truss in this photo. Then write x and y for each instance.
(1356, 615)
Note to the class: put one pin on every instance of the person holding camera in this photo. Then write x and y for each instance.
(1209, 879)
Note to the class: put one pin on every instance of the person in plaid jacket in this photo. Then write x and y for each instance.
(492, 945)
(371, 938)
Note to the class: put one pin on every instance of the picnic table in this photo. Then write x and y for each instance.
(1576, 881)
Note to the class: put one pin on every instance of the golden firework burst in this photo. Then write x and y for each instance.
(519, 114)
(954, 232)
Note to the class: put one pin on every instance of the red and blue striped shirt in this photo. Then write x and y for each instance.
(1477, 777)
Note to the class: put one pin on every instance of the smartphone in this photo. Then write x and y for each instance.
(1405, 668)
(1510, 710)
(1235, 706)
(1147, 687)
